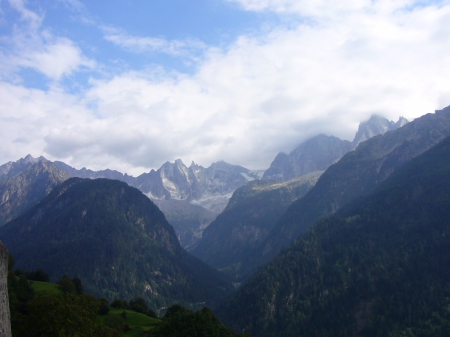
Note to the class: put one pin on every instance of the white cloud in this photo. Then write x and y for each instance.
(138, 44)
(30, 46)
(325, 8)
(58, 58)
(263, 94)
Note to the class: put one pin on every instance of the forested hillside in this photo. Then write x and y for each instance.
(378, 267)
(115, 240)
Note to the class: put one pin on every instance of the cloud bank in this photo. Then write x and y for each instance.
(331, 67)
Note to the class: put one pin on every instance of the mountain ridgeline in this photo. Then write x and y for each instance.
(251, 217)
(377, 267)
(355, 175)
(179, 190)
(319, 152)
(115, 240)
(26, 183)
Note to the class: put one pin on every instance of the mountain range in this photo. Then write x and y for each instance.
(358, 248)
(231, 240)
(377, 266)
(353, 176)
(178, 189)
(319, 152)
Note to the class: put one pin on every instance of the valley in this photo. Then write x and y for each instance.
(336, 238)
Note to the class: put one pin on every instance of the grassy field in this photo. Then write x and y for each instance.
(44, 286)
(138, 322)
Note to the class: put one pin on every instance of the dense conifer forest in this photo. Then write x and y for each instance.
(378, 267)
(116, 241)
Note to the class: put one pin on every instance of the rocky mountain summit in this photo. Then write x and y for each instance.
(24, 183)
(208, 187)
(319, 152)
(376, 125)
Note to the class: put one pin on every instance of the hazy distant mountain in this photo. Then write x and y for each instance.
(251, 213)
(212, 187)
(208, 187)
(30, 179)
(187, 219)
(375, 126)
(86, 173)
(356, 174)
(378, 267)
(318, 153)
(113, 238)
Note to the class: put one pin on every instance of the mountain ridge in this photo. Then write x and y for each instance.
(354, 175)
(112, 237)
(374, 268)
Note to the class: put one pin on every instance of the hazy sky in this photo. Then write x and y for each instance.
(129, 85)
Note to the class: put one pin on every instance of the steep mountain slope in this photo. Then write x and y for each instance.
(356, 174)
(250, 215)
(115, 240)
(378, 267)
(318, 153)
(23, 190)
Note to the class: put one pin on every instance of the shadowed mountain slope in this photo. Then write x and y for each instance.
(356, 174)
(115, 240)
(378, 267)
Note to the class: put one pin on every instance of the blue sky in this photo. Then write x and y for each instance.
(131, 85)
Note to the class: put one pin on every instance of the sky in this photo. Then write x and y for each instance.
(129, 85)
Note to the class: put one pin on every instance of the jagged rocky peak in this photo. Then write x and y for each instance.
(22, 190)
(320, 152)
(376, 125)
(196, 184)
(315, 154)
(11, 169)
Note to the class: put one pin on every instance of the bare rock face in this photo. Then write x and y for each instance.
(24, 189)
(5, 320)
